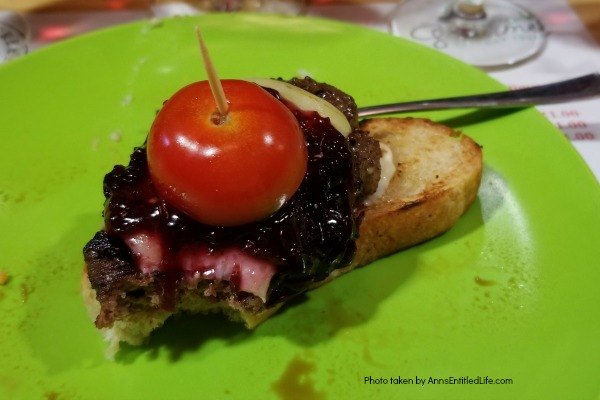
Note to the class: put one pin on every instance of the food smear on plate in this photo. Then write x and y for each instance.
(4, 277)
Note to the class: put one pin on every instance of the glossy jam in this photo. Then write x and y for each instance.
(312, 234)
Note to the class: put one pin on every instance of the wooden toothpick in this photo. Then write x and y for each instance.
(213, 79)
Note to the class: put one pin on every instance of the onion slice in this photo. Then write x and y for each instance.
(306, 101)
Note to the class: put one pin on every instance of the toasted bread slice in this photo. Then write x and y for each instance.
(438, 171)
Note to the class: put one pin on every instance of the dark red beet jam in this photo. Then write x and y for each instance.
(311, 235)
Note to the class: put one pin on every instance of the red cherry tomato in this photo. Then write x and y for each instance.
(230, 173)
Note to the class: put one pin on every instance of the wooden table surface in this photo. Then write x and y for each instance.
(588, 10)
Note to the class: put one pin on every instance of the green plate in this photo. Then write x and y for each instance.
(509, 295)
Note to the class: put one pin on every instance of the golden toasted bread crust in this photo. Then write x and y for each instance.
(438, 171)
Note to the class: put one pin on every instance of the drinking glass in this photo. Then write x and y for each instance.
(14, 35)
(484, 33)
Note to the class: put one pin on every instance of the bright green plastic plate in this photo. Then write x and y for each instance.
(510, 293)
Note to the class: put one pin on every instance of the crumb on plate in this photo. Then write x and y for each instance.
(3, 278)
(115, 136)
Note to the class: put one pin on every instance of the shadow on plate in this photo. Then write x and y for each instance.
(478, 116)
(353, 299)
(185, 333)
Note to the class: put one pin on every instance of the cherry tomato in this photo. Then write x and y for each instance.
(230, 172)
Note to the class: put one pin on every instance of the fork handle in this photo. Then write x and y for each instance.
(558, 92)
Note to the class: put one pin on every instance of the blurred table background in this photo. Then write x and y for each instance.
(587, 10)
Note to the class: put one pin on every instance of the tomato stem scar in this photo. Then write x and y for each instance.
(217, 118)
(213, 79)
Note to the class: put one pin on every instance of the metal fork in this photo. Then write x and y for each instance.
(573, 89)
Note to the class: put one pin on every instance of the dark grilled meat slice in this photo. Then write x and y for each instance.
(367, 168)
(342, 101)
